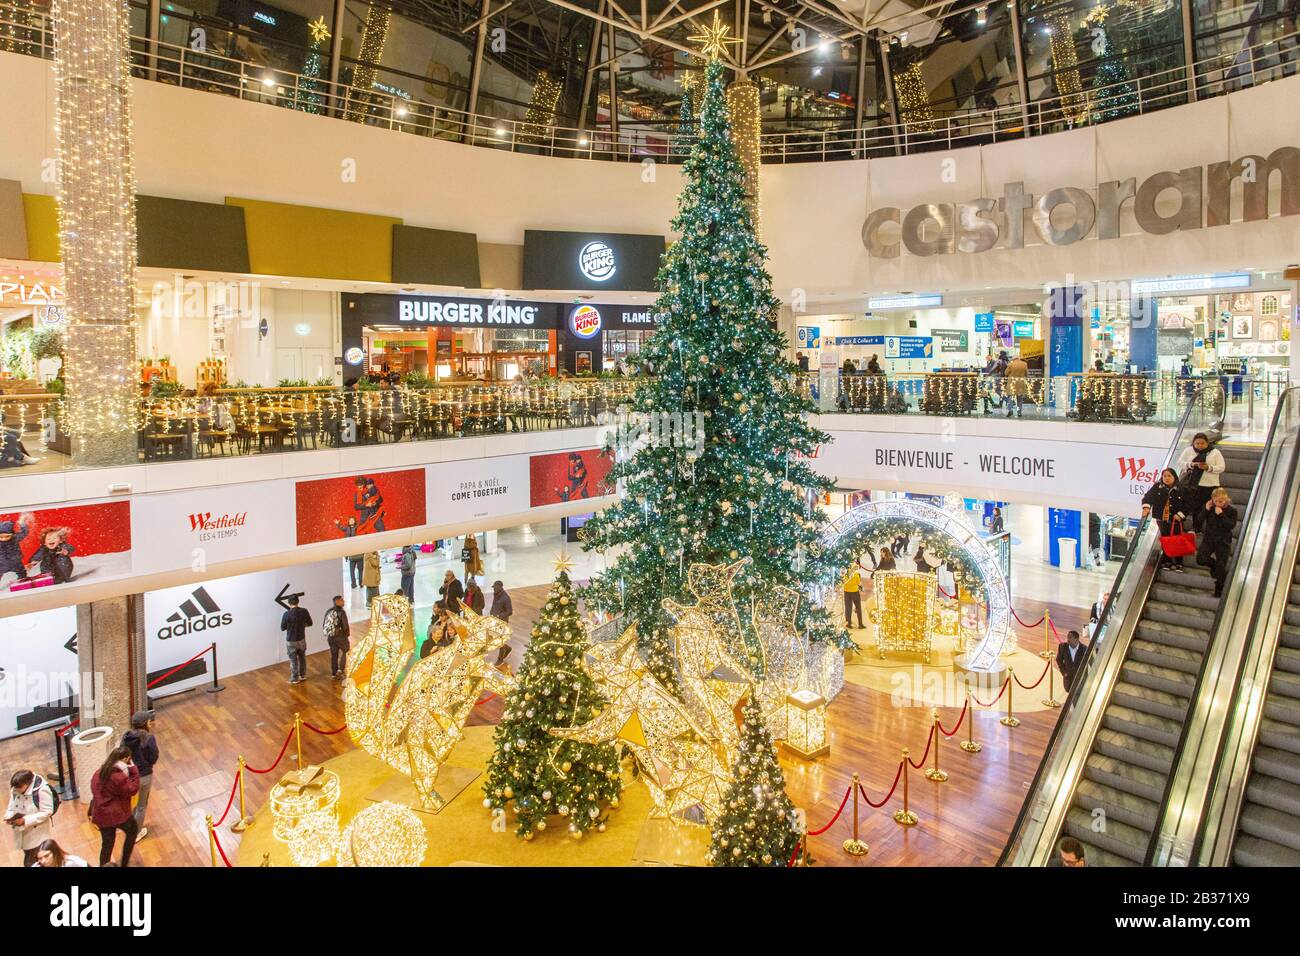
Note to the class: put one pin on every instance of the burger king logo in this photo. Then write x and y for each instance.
(584, 322)
(596, 261)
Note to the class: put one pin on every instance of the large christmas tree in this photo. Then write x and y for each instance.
(757, 826)
(746, 488)
(542, 775)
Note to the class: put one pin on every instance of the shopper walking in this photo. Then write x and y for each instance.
(852, 597)
(338, 632)
(452, 592)
(31, 805)
(474, 596)
(1216, 539)
(142, 743)
(1016, 381)
(407, 565)
(294, 622)
(502, 609)
(370, 574)
(1201, 465)
(996, 525)
(112, 787)
(886, 562)
(49, 856)
(1165, 502)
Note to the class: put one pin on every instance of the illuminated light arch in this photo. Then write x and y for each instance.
(853, 523)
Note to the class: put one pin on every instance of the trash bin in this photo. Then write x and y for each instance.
(1065, 554)
(90, 749)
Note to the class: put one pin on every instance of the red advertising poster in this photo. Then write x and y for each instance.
(45, 547)
(567, 476)
(333, 508)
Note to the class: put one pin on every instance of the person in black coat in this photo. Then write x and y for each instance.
(1165, 501)
(1216, 538)
(452, 591)
(1069, 658)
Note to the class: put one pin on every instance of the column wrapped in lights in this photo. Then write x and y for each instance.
(96, 192)
(1065, 63)
(309, 98)
(373, 39)
(541, 107)
(914, 100)
(746, 127)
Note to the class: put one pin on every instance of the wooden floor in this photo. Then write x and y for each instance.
(963, 822)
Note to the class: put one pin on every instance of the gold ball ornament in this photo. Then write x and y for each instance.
(566, 766)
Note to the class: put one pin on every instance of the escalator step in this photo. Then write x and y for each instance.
(1199, 595)
(1148, 701)
(1136, 750)
(1179, 615)
(1118, 838)
(1165, 655)
(1092, 795)
(1287, 659)
(1125, 778)
(1193, 578)
(1275, 794)
(1292, 615)
(1163, 679)
(1277, 763)
(1250, 851)
(1173, 635)
(1149, 727)
(1271, 825)
(1291, 636)
(1284, 710)
(1285, 685)
(1278, 735)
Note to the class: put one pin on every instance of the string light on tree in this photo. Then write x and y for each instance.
(541, 107)
(746, 132)
(373, 39)
(309, 89)
(914, 98)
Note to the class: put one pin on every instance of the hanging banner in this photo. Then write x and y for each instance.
(567, 476)
(477, 489)
(51, 547)
(211, 525)
(331, 508)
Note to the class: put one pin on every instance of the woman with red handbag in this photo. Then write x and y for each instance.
(1165, 501)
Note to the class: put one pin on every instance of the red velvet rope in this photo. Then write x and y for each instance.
(277, 759)
(485, 698)
(229, 803)
(220, 849)
(795, 855)
(897, 777)
(929, 742)
(1023, 624)
(163, 677)
(64, 731)
(325, 733)
(847, 790)
(1053, 627)
(1006, 683)
(1024, 686)
(943, 592)
(957, 726)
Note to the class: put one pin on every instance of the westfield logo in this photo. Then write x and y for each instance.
(1133, 469)
(205, 521)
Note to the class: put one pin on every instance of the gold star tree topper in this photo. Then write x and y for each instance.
(319, 31)
(563, 562)
(714, 40)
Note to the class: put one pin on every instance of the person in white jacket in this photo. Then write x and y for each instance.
(1199, 468)
(31, 804)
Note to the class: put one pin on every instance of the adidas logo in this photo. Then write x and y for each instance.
(198, 613)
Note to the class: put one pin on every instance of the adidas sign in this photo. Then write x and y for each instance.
(198, 613)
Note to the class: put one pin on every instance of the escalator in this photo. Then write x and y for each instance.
(1268, 828)
(1116, 805)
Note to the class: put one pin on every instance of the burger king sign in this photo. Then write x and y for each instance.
(584, 322)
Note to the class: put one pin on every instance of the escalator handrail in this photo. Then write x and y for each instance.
(1242, 576)
(1241, 727)
(1141, 535)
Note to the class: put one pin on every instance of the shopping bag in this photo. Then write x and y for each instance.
(1178, 544)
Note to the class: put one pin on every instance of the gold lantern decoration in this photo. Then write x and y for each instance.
(383, 834)
(302, 794)
(313, 840)
(805, 724)
(904, 611)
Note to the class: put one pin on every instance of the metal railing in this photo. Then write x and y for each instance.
(1051, 792)
(33, 34)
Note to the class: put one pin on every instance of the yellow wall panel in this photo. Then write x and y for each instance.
(289, 240)
(42, 214)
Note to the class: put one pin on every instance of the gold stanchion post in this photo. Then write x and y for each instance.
(212, 839)
(854, 847)
(1010, 720)
(970, 745)
(297, 735)
(1047, 653)
(905, 817)
(244, 821)
(934, 773)
(1050, 700)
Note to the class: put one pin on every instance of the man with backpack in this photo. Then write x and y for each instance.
(32, 802)
(143, 745)
(337, 632)
(408, 572)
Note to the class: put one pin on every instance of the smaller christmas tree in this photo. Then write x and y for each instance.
(757, 828)
(540, 774)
